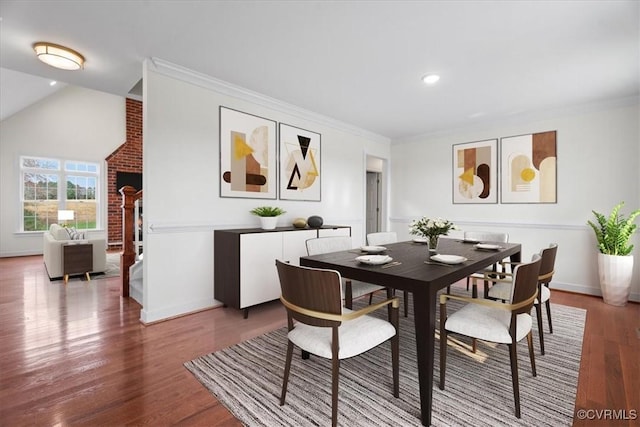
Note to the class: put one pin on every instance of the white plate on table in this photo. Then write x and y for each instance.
(420, 240)
(373, 249)
(448, 259)
(374, 259)
(487, 247)
(470, 241)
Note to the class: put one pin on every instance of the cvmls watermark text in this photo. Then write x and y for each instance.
(607, 414)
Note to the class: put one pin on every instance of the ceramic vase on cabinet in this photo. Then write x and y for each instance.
(615, 278)
(268, 222)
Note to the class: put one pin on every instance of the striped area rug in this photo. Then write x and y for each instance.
(247, 379)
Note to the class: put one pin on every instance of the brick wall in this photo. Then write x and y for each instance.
(126, 158)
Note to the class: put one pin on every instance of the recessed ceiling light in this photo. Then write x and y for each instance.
(52, 83)
(58, 56)
(430, 78)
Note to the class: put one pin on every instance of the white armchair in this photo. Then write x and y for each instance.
(53, 241)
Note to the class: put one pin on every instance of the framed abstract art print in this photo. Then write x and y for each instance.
(300, 161)
(475, 167)
(248, 163)
(528, 164)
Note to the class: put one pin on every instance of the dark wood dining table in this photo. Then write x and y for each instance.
(424, 281)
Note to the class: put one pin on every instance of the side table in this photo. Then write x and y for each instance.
(77, 258)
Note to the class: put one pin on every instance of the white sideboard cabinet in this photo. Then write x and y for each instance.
(244, 261)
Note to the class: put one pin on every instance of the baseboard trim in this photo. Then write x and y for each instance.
(586, 290)
(149, 318)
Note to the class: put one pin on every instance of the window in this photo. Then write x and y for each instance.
(43, 195)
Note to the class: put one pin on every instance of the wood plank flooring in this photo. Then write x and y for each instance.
(77, 355)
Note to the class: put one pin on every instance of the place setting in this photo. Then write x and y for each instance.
(487, 247)
(370, 250)
(445, 260)
(382, 260)
(373, 250)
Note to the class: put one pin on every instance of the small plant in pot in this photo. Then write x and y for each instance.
(615, 261)
(268, 216)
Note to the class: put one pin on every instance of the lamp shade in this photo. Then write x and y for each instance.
(58, 56)
(65, 215)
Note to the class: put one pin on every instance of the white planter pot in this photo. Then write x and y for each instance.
(268, 222)
(615, 278)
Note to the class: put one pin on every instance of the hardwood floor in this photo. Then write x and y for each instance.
(78, 355)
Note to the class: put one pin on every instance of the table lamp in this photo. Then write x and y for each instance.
(65, 216)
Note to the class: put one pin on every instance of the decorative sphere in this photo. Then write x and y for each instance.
(299, 223)
(314, 221)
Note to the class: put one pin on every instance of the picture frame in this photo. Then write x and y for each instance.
(475, 169)
(300, 164)
(529, 168)
(248, 157)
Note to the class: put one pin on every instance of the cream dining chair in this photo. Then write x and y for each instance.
(350, 288)
(485, 237)
(486, 320)
(381, 238)
(324, 328)
(501, 291)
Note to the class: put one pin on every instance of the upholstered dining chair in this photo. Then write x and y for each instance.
(487, 320)
(350, 288)
(501, 291)
(485, 237)
(324, 328)
(382, 238)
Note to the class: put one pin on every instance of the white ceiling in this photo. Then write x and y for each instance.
(359, 62)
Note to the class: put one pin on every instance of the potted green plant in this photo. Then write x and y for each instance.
(268, 216)
(615, 261)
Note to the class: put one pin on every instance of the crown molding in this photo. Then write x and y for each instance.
(229, 89)
(524, 118)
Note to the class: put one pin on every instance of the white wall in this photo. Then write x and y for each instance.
(598, 152)
(181, 181)
(598, 157)
(73, 123)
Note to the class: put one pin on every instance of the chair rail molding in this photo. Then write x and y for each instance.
(545, 226)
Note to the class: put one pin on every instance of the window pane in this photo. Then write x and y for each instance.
(91, 188)
(38, 216)
(45, 189)
(32, 162)
(81, 188)
(85, 214)
(71, 188)
(80, 167)
(39, 186)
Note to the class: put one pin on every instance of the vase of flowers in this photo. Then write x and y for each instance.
(431, 229)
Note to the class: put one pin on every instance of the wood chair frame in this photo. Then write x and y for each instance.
(312, 296)
(525, 293)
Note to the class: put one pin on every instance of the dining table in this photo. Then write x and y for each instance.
(412, 269)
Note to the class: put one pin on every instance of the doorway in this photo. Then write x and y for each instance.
(373, 202)
(375, 195)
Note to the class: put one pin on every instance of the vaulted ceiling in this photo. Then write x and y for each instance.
(359, 62)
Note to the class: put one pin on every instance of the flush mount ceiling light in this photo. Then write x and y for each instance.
(58, 56)
(430, 78)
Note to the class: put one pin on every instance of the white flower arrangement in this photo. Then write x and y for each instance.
(431, 228)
